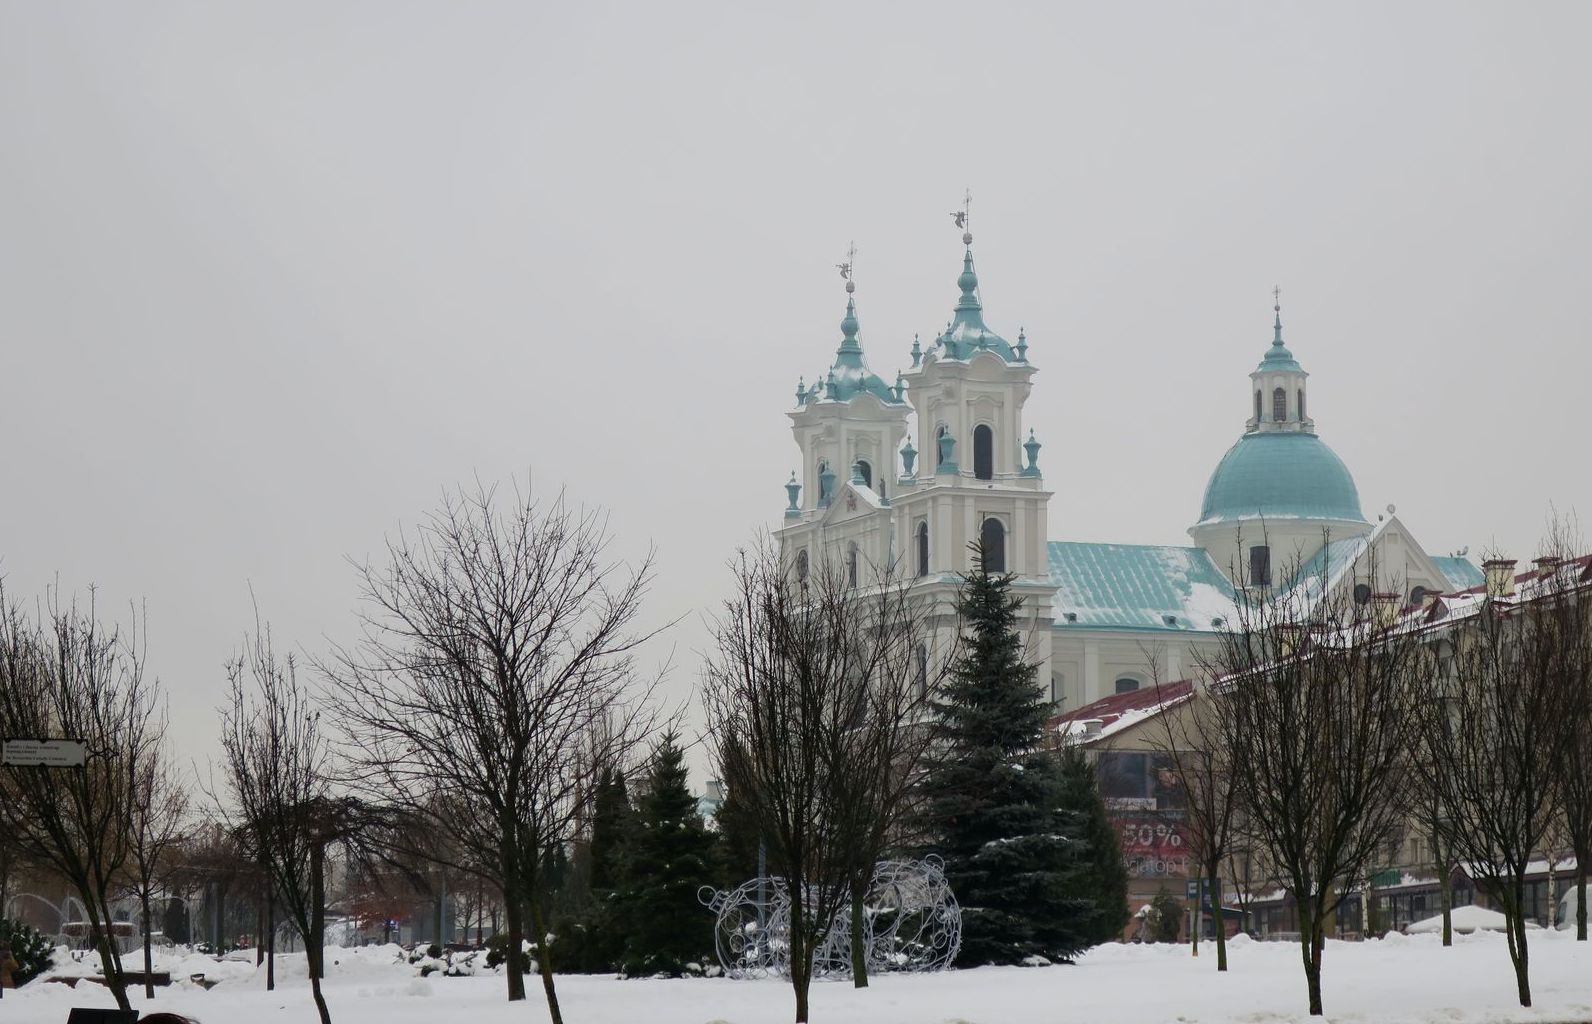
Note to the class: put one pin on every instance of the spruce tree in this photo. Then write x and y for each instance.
(671, 859)
(593, 940)
(1103, 880)
(994, 793)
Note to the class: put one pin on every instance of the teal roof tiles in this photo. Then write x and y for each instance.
(1138, 586)
(1462, 573)
(1281, 475)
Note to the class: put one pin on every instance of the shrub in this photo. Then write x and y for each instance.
(497, 953)
(32, 950)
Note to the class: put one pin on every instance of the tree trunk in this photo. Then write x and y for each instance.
(270, 939)
(859, 947)
(1310, 941)
(1445, 891)
(1217, 921)
(1515, 928)
(513, 908)
(801, 977)
(316, 940)
(149, 957)
(544, 962)
(110, 961)
(1580, 898)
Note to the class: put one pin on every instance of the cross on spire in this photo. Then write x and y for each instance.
(1276, 298)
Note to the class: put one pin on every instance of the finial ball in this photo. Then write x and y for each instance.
(850, 287)
(967, 238)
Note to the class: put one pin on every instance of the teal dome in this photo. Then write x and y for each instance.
(1281, 475)
(850, 376)
(967, 334)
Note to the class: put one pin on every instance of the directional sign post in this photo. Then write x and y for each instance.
(21, 753)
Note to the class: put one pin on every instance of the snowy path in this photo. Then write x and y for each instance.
(1401, 980)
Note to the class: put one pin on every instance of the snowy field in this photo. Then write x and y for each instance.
(1395, 980)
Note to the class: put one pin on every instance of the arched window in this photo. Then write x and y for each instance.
(1279, 405)
(866, 471)
(1260, 566)
(851, 566)
(939, 452)
(824, 485)
(801, 565)
(1127, 684)
(992, 537)
(1257, 407)
(983, 452)
(922, 667)
(923, 548)
(1362, 593)
(1417, 596)
(1058, 689)
(1300, 404)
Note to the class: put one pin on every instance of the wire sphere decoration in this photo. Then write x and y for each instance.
(911, 923)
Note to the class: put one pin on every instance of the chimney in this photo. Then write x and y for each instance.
(1385, 606)
(1288, 636)
(1500, 576)
(1092, 726)
(1547, 565)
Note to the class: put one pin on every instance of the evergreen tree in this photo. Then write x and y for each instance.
(593, 939)
(738, 841)
(1104, 877)
(671, 859)
(993, 794)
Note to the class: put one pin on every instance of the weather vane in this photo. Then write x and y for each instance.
(965, 213)
(1276, 297)
(845, 268)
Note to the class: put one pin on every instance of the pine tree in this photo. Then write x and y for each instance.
(994, 794)
(1104, 877)
(603, 927)
(671, 859)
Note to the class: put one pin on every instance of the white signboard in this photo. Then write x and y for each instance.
(43, 753)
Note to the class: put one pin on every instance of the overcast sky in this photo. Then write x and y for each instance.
(273, 275)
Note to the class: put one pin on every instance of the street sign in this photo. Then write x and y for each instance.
(1192, 890)
(43, 753)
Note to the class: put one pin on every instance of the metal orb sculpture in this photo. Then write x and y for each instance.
(910, 918)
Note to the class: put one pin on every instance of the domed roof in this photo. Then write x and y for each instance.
(1281, 475)
(850, 376)
(967, 334)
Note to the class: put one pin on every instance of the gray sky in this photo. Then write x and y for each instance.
(272, 275)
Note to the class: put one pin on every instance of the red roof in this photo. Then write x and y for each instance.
(1109, 709)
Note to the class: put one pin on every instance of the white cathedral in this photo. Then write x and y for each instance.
(908, 476)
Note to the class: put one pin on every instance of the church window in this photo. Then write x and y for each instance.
(921, 664)
(1257, 407)
(939, 451)
(983, 452)
(1301, 403)
(1362, 593)
(992, 541)
(1417, 595)
(801, 565)
(865, 471)
(1126, 684)
(923, 549)
(1279, 405)
(851, 566)
(1058, 689)
(1260, 566)
(823, 484)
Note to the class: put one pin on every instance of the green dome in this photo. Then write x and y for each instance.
(1281, 475)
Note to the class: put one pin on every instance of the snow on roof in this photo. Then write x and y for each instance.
(1119, 711)
(1138, 586)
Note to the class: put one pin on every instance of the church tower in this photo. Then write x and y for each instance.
(847, 426)
(972, 474)
(1280, 491)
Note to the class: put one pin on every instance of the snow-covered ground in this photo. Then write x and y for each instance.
(1396, 980)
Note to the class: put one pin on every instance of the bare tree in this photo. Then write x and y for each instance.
(68, 676)
(1496, 731)
(160, 810)
(498, 652)
(1313, 699)
(1201, 767)
(814, 697)
(278, 769)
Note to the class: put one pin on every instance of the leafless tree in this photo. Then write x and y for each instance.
(160, 811)
(498, 651)
(1313, 698)
(68, 676)
(278, 764)
(1496, 731)
(814, 696)
(1191, 746)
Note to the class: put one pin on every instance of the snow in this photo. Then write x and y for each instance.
(1464, 919)
(1399, 980)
